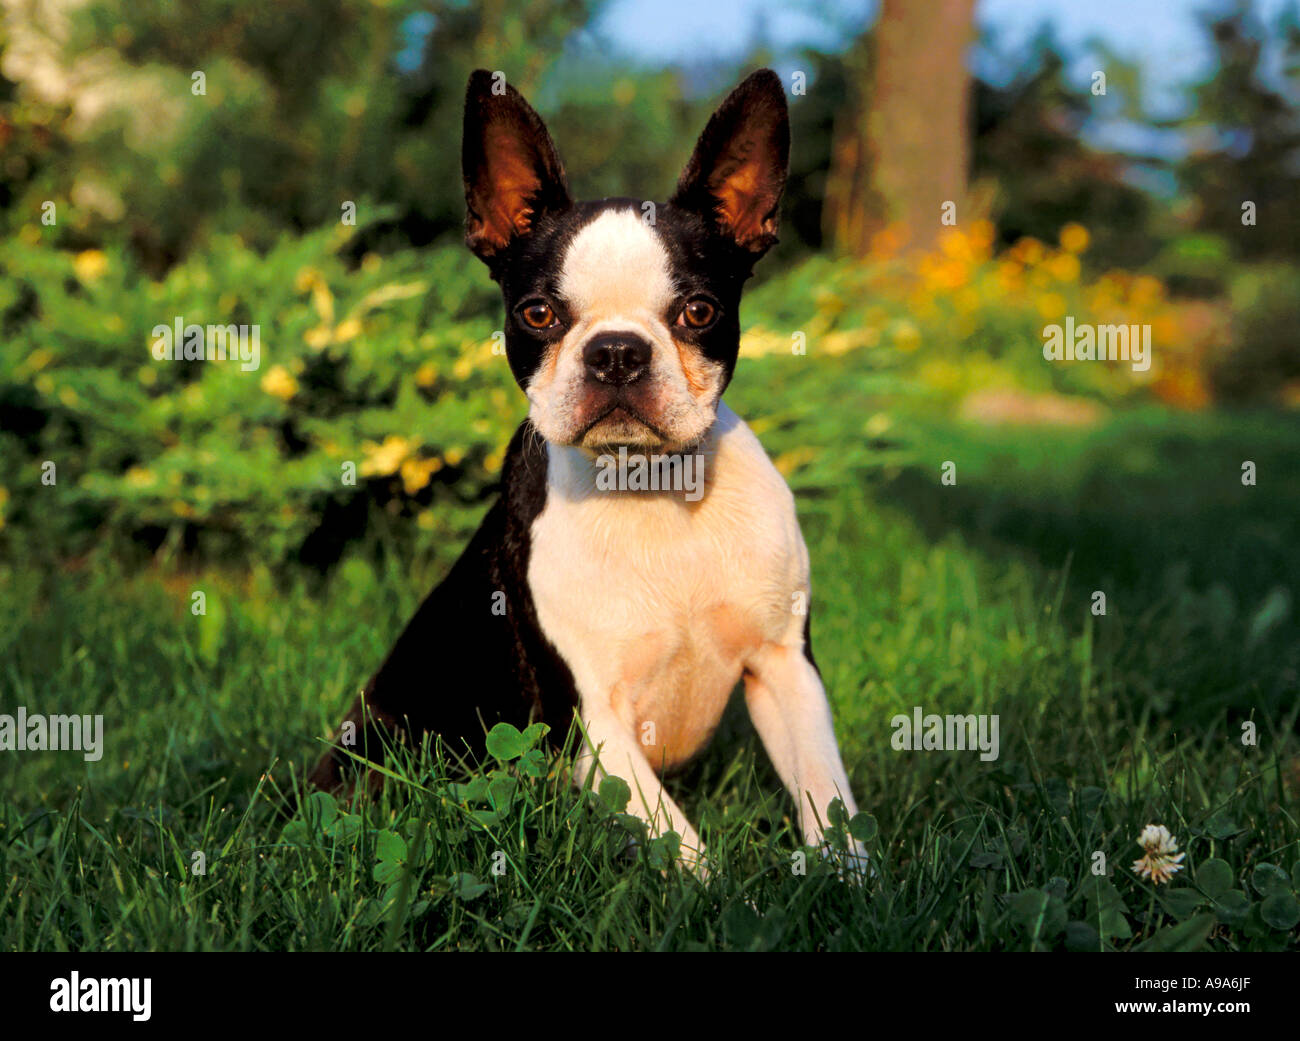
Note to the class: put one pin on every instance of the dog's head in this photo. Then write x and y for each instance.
(622, 322)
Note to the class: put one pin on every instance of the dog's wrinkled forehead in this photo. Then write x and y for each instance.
(616, 266)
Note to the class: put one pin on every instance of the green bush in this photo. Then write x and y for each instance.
(380, 405)
(1261, 357)
(388, 369)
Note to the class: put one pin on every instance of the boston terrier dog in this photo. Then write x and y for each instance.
(631, 605)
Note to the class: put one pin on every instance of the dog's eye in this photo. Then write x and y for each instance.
(538, 315)
(696, 314)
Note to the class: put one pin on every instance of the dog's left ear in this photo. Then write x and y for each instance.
(737, 173)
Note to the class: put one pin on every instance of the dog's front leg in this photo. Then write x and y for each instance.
(788, 706)
(610, 748)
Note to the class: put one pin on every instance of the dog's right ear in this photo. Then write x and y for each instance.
(512, 171)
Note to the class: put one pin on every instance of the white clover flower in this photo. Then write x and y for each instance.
(1159, 862)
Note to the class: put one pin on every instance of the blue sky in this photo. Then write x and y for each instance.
(1161, 35)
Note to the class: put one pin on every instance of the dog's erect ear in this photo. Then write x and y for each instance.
(737, 173)
(512, 172)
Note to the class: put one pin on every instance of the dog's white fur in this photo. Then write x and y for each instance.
(705, 593)
(658, 604)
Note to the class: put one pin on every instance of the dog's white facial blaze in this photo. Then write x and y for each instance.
(616, 276)
(617, 267)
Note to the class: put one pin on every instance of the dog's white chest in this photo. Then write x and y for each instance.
(655, 602)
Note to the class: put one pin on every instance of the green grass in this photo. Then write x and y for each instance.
(973, 598)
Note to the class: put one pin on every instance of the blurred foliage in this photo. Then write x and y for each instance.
(391, 368)
(1034, 166)
(388, 368)
(306, 104)
(1245, 134)
(1262, 352)
(968, 320)
(376, 340)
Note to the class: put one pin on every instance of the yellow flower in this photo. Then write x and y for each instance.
(1064, 267)
(841, 341)
(417, 472)
(1027, 251)
(981, 235)
(347, 329)
(1146, 290)
(1051, 305)
(90, 265)
(323, 300)
(385, 459)
(279, 383)
(788, 462)
(426, 375)
(940, 273)
(887, 241)
(1158, 862)
(1074, 238)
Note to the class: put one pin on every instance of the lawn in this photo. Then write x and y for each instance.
(973, 597)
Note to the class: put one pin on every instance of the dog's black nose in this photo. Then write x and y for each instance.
(616, 358)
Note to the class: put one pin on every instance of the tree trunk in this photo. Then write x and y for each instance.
(901, 150)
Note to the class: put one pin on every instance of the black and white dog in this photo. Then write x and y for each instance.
(636, 610)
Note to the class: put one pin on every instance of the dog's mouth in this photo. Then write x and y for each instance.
(619, 424)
